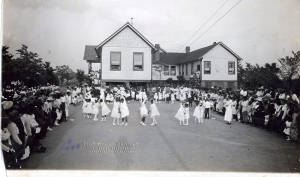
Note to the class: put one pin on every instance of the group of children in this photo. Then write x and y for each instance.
(120, 111)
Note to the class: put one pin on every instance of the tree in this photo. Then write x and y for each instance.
(254, 76)
(65, 74)
(290, 68)
(80, 76)
(7, 64)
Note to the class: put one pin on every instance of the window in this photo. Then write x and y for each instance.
(182, 68)
(173, 71)
(231, 67)
(166, 70)
(207, 67)
(138, 61)
(115, 61)
(198, 68)
(192, 68)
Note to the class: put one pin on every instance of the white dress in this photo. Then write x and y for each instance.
(95, 108)
(228, 112)
(287, 130)
(115, 110)
(199, 113)
(124, 109)
(180, 114)
(87, 107)
(143, 110)
(186, 112)
(172, 97)
(160, 96)
(155, 96)
(153, 110)
(104, 109)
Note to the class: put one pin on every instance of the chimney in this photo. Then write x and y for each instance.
(157, 53)
(131, 21)
(187, 49)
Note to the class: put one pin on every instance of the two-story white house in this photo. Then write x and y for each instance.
(127, 56)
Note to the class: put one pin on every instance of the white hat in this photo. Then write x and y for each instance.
(282, 96)
(295, 98)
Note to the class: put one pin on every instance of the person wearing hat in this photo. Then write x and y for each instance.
(47, 108)
(63, 107)
(259, 112)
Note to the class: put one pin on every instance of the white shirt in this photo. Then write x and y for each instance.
(207, 104)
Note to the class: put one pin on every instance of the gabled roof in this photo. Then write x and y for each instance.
(171, 58)
(127, 25)
(90, 53)
(229, 50)
(180, 58)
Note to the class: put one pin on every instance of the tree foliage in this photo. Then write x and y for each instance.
(254, 76)
(290, 68)
(27, 67)
(65, 75)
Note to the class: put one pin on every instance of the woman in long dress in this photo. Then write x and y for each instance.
(228, 112)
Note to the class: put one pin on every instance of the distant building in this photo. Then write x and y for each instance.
(127, 56)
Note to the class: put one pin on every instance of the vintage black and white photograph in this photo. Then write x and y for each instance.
(151, 85)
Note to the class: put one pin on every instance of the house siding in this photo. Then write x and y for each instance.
(127, 42)
(219, 58)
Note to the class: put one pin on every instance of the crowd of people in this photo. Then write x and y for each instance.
(29, 113)
(274, 110)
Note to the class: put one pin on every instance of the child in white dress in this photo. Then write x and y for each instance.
(180, 115)
(124, 112)
(287, 129)
(104, 110)
(160, 96)
(186, 112)
(115, 113)
(155, 97)
(153, 113)
(87, 108)
(199, 113)
(95, 108)
(143, 112)
(172, 98)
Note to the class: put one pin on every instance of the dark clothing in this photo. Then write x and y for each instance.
(206, 113)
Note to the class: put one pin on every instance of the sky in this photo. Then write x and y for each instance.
(259, 31)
